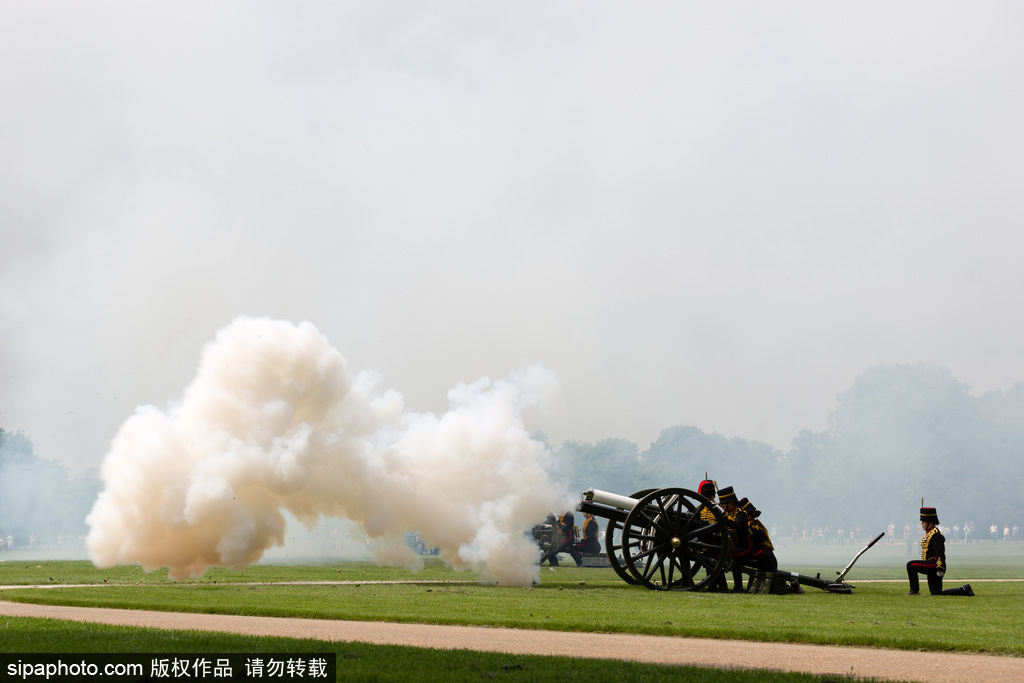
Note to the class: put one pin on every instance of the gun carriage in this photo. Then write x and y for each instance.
(676, 539)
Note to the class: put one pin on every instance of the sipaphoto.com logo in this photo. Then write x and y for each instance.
(73, 668)
(130, 667)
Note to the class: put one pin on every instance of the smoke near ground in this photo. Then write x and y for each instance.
(275, 423)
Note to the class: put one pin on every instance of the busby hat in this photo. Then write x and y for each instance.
(930, 515)
(749, 508)
(726, 495)
(707, 488)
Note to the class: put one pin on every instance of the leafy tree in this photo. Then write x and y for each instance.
(682, 455)
(610, 465)
(39, 498)
(805, 480)
(899, 433)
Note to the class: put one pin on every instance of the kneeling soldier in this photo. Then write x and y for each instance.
(933, 559)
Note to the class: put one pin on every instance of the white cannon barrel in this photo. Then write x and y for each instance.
(610, 499)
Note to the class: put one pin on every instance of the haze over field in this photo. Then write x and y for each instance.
(699, 214)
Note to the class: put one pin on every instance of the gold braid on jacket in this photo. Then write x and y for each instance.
(925, 540)
(760, 534)
(707, 515)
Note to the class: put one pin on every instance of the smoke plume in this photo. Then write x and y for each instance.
(275, 422)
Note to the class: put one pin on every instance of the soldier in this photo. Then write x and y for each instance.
(589, 543)
(933, 558)
(707, 489)
(565, 534)
(762, 552)
(739, 533)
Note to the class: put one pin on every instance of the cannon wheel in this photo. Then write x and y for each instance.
(613, 543)
(667, 546)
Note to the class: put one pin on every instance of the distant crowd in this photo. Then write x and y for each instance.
(61, 542)
(966, 533)
(840, 536)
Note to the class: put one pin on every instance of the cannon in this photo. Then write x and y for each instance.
(676, 539)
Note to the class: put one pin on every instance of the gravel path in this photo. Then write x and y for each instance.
(864, 662)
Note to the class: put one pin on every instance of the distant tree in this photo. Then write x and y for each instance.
(806, 481)
(610, 465)
(39, 498)
(682, 455)
(993, 483)
(899, 433)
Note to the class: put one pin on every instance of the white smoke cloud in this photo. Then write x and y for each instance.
(274, 422)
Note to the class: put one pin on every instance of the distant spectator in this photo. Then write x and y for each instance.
(994, 532)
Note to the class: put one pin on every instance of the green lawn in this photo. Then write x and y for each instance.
(877, 614)
(363, 662)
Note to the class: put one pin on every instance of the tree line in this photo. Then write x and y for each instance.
(899, 433)
(42, 503)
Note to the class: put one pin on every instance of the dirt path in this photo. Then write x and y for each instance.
(882, 664)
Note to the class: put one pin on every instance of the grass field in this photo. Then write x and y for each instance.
(878, 614)
(363, 662)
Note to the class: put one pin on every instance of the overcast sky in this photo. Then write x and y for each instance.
(712, 214)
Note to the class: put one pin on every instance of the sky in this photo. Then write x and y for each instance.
(707, 214)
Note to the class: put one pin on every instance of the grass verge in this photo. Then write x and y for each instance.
(362, 662)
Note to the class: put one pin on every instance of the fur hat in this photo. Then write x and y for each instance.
(748, 507)
(707, 489)
(929, 515)
(727, 495)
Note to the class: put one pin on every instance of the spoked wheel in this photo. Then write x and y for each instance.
(675, 539)
(613, 543)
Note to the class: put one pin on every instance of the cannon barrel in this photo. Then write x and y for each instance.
(611, 506)
(605, 498)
